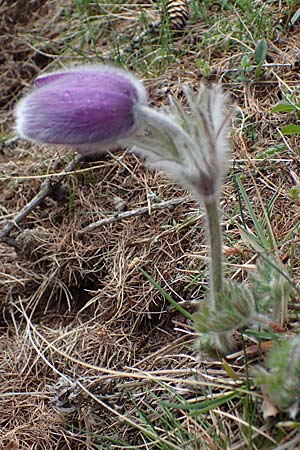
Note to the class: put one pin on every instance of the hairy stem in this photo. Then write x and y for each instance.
(215, 243)
(223, 340)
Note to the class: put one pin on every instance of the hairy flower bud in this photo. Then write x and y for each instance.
(190, 145)
(281, 380)
(89, 107)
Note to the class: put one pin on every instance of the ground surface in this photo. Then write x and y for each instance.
(90, 348)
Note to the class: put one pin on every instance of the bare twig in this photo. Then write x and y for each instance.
(9, 143)
(152, 27)
(132, 213)
(48, 188)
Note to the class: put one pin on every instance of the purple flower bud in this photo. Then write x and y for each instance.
(90, 107)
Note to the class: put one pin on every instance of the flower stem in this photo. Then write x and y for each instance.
(223, 340)
(215, 242)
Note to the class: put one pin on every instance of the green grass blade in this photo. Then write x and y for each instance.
(266, 243)
(167, 296)
(202, 407)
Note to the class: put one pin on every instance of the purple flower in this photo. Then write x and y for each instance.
(90, 107)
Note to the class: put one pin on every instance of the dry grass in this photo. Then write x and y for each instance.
(88, 345)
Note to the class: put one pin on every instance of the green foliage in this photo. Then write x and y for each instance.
(260, 54)
(290, 130)
(167, 296)
(271, 288)
(262, 239)
(245, 63)
(295, 17)
(289, 106)
(272, 151)
(162, 428)
(202, 407)
(295, 194)
(257, 18)
(240, 306)
(213, 345)
(281, 378)
(204, 67)
(236, 309)
(285, 107)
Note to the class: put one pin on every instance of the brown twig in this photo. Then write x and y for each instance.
(47, 189)
(132, 213)
(152, 27)
(9, 143)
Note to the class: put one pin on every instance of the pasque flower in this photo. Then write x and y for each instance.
(89, 107)
(191, 145)
(95, 108)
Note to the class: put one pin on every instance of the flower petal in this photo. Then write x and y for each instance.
(104, 77)
(90, 107)
(75, 115)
